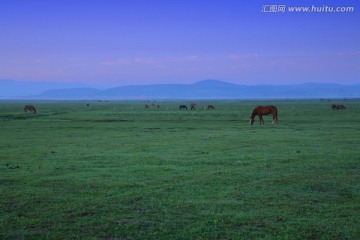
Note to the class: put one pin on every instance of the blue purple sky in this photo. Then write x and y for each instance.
(123, 42)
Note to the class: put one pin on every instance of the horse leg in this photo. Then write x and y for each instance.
(261, 119)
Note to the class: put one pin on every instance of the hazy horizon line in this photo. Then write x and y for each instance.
(105, 86)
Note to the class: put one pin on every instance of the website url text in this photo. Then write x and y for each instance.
(306, 9)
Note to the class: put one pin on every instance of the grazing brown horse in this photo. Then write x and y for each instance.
(30, 108)
(193, 106)
(264, 110)
(183, 107)
(210, 107)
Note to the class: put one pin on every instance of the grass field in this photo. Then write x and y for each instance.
(114, 170)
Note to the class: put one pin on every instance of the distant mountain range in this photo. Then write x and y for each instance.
(25, 89)
(207, 89)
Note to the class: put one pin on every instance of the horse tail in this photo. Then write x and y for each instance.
(34, 110)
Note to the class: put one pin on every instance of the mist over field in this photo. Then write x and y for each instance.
(206, 89)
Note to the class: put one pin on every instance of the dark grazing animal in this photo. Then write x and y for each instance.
(182, 107)
(193, 106)
(338, 107)
(342, 107)
(264, 110)
(210, 107)
(30, 108)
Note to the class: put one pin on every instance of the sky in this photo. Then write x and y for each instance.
(108, 43)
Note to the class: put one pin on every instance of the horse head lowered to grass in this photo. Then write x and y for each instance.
(264, 110)
(30, 108)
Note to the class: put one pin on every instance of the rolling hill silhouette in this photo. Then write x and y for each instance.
(206, 89)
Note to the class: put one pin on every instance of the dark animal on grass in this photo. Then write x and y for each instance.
(146, 106)
(264, 110)
(338, 107)
(193, 106)
(182, 107)
(31, 108)
(210, 107)
(342, 107)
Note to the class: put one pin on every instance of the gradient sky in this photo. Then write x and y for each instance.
(121, 42)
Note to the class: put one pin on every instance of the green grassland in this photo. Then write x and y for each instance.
(114, 170)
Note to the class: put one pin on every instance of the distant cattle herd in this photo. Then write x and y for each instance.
(258, 111)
